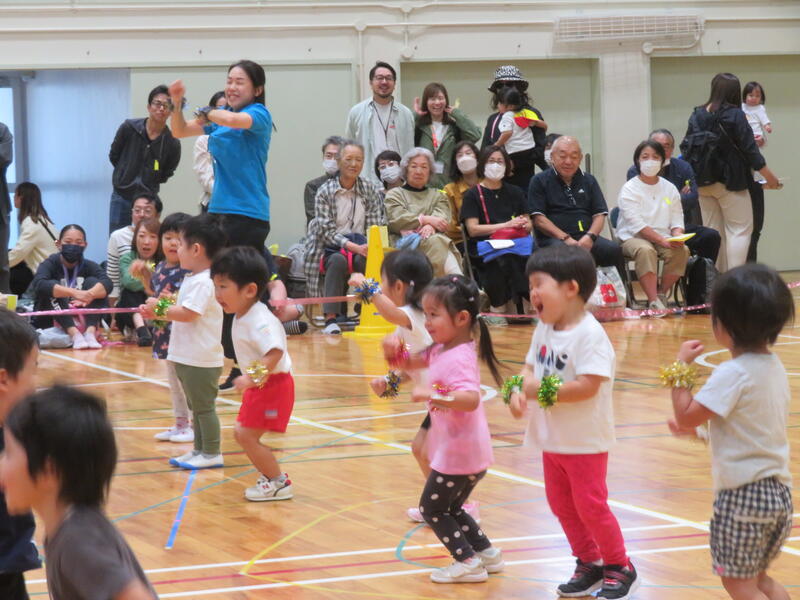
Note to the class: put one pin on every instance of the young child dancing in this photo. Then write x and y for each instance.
(165, 280)
(576, 430)
(194, 346)
(240, 275)
(64, 477)
(460, 447)
(746, 400)
(18, 356)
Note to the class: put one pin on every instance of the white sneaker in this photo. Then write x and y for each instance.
(182, 435)
(492, 559)
(414, 514)
(79, 342)
(176, 461)
(266, 491)
(471, 571)
(198, 461)
(657, 305)
(91, 341)
(332, 329)
(163, 436)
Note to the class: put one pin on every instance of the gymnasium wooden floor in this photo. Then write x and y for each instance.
(345, 533)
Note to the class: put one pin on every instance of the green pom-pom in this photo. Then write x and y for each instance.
(392, 385)
(511, 385)
(548, 390)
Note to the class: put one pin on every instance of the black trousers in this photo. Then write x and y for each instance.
(757, 199)
(49, 303)
(441, 507)
(12, 587)
(705, 243)
(129, 299)
(241, 231)
(21, 278)
(503, 278)
(606, 253)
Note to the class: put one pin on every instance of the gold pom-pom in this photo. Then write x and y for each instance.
(678, 375)
(257, 372)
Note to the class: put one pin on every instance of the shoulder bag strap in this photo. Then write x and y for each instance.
(483, 205)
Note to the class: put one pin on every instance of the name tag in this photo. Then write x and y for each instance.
(438, 167)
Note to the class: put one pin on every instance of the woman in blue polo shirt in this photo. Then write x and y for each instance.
(239, 137)
(238, 141)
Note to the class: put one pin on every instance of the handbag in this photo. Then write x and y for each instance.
(356, 238)
(610, 290)
(506, 233)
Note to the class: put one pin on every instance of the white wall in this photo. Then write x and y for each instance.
(72, 118)
(678, 84)
(308, 103)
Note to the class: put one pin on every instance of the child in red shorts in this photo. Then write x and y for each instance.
(240, 277)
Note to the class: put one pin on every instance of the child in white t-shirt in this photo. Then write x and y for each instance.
(746, 400)
(195, 348)
(516, 135)
(576, 430)
(240, 277)
(753, 99)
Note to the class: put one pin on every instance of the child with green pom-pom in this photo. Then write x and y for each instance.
(569, 370)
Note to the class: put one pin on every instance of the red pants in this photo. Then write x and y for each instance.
(576, 490)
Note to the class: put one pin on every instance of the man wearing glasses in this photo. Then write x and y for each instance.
(144, 155)
(379, 123)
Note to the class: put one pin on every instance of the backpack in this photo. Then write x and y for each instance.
(296, 277)
(700, 277)
(700, 150)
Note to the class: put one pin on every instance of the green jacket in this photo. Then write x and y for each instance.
(126, 280)
(467, 131)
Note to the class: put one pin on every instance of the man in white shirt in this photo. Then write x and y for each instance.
(379, 123)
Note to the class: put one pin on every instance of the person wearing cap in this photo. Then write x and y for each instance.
(505, 76)
(380, 123)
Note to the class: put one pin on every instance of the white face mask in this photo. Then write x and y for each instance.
(650, 168)
(466, 163)
(390, 174)
(547, 154)
(330, 166)
(494, 171)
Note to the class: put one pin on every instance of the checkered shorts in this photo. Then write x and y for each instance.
(749, 527)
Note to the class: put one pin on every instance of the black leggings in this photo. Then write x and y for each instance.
(441, 507)
(757, 200)
(129, 299)
(44, 302)
(12, 587)
(241, 231)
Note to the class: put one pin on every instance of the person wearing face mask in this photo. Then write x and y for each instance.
(548, 147)
(330, 151)
(68, 280)
(650, 216)
(678, 172)
(463, 176)
(387, 168)
(568, 206)
(420, 215)
(439, 127)
(495, 208)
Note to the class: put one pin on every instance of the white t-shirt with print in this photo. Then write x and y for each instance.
(521, 137)
(197, 343)
(255, 334)
(641, 205)
(749, 396)
(585, 427)
(417, 337)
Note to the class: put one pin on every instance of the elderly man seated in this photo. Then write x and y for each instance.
(568, 206)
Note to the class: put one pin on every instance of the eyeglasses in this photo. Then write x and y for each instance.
(382, 78)
(141, 211)
(161, 105)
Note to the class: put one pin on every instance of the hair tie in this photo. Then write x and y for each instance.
(471, 298)
(454, 279)
(411, 283)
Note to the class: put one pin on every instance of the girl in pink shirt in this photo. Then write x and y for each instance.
(459, 444)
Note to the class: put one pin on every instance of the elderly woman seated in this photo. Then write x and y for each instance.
(346, 206)
(496, 210)
(650, 216)
(419, 216)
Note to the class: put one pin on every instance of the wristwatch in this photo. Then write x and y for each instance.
(592, 235)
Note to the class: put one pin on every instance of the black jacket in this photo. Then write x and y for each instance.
(491, 133)
(737, 149)
(140, 164)
(51, 273)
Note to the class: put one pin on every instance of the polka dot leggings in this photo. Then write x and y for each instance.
(440, 506)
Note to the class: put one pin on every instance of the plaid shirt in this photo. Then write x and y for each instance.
(322, 228)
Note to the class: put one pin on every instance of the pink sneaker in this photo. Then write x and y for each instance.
(414, 514)
(471, 509)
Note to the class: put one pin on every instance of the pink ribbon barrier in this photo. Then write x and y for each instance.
(322, 300)
(78, 311)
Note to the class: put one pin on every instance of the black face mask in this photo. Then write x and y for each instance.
(71, 253)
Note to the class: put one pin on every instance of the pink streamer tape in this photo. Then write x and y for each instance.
(78, 311)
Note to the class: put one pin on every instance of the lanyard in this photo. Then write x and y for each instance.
(388, 121)
(71, 281)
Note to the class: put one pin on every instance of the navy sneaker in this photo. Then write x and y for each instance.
(619, 582)
(587, 578)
